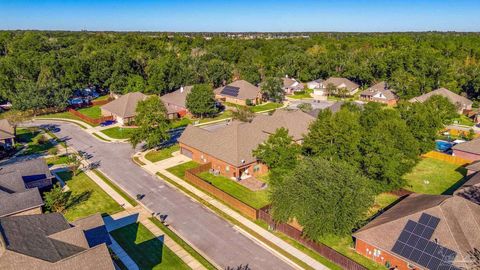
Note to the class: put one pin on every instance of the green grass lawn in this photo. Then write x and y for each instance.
(265, 107)
(442, 177)
(382, 201)
(118, 132)
(183, 244)
(256, 199)
(90, 197)
(180, 122)
(224, 115)
(463, 120)
(92, 111)
(35, 140)
(179, 170)
(161, 154)
(56, 160)
(302, 94)
(145, 249)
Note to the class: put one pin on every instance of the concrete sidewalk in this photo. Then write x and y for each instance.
(161, 167)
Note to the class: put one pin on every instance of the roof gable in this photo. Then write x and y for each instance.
(126, 105)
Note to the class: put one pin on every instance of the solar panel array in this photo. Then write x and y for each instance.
(230, 91)
(414, 244)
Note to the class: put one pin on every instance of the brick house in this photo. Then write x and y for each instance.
(339, 83)
(238, 92)
(291, 85)
(462, 103)
(468, 150)
(381, 93)
(229, 148)
(422, 232)
(48, 242)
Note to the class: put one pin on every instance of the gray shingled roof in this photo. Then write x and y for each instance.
(7, 131)
(27, 169)
(177, 97)
(126, 105)
(341, 83)
(457, 230)
(454, 98)
(246, 90)
(292, 83)
(470, 190)
(234, 143)
(15, 197)
(48, 241)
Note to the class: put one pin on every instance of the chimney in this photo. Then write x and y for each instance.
(181, 89)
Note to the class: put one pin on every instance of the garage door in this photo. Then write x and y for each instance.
(186, 152)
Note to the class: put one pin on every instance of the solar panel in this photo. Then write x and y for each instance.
(414, 244)
(230, 91)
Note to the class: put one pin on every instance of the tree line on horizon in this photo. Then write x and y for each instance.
(40, 69)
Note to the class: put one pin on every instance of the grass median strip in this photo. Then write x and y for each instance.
(183, 244)
(100, 137)
(237, 223)
(116, 188)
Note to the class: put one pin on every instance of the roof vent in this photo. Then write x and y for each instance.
(243, 161)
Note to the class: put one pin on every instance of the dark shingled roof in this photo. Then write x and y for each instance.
(472, 146)
(470, 190)
(246, 90)
(14, 197)
(48, 241)
(30, 170)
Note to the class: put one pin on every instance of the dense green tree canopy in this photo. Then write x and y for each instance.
(201, 100)
(325, 197)
(152, 122)
(42, 63)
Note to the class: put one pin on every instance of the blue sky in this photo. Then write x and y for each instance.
(247, 15)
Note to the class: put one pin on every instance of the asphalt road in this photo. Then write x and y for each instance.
(214, 236)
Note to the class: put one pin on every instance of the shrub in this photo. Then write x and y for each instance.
(42, 140)
(53, 151)
(248, 102)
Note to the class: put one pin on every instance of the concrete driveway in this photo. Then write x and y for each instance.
(214, 236)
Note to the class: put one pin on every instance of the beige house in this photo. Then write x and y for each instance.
(123, 109)
(238, 92)
(175, 102)
(7, 134)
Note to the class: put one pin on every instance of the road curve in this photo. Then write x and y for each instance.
(214, 236)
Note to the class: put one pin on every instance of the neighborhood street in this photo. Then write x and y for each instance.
(214, 236)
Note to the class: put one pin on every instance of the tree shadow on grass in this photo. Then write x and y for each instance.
(457, 184)
(76, 199)
(147, 253)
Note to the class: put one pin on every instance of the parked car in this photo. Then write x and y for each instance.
(107, 123)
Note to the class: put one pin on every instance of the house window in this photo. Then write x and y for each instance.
(227, 168)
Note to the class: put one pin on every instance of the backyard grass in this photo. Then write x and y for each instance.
(116, 188)
(145, 249)
(92, 111)
(463, 120)
(382, 201)
(89, 197)
(344, 245)
(179, 170)
(432, 176)
(161, 154)
(56, 160)
(256, 199)
(118, 132)
(180, 122)
(265, 107)
(183, 244)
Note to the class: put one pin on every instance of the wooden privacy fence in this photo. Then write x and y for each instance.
(191, 176)
(262, 214)
(327, 252)
(92, 121)
(447, 158)
(101, 102)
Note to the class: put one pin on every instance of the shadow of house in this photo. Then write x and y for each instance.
(140, 244)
